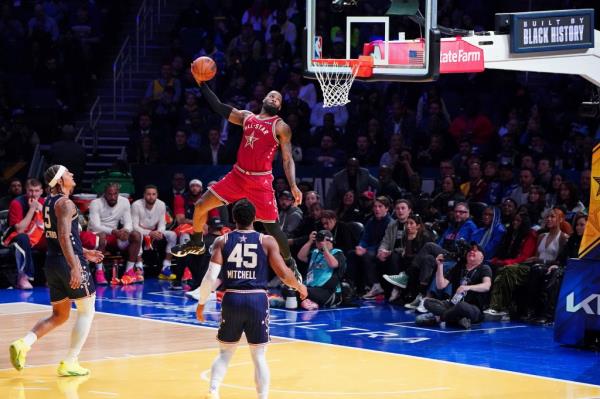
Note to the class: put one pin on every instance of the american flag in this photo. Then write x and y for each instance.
(415, 57)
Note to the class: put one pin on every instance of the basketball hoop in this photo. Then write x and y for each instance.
(337, 75)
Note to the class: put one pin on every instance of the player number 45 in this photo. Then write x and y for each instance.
(244, 254)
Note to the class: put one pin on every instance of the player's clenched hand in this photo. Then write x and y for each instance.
(75, 277)
(297, 195)
(93, 256)
(200, 313)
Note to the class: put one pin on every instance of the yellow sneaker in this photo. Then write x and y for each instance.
(66, 369)
(18, 353)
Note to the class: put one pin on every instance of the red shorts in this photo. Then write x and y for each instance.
(88, 239)
(114, 244)
(258, 189)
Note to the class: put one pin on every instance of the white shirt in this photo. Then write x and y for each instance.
(146, 220)
(105, 218)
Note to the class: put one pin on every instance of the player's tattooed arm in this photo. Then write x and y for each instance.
(284, 134)
(65, 209)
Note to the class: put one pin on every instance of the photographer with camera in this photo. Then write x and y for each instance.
(325, 265)
(471, 282)
(453, 244)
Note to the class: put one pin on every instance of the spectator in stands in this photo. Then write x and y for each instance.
(568, 198)
(25, 220)
(290, 216)
(401, 123)
(307, 91)
(364, 257)
(544, 280)
(156, 87)
(215, 153)
(392, 155)
(536, 204)
(348, 210)
(244, 47)
(343, 236)
(503, 186)
(472, 125)
(324, 262)
(190, 109)
(327, 129)
(364, 152)
(461, 159)
(509, 210)
(308, 198)
(148, 218)
(141, 129)
(41, 25)
(549, 245)
(327, 154)
(165, 110)
(517, 245)
(178, 187)
(443, 203)
(491, 231)
(375, 135)
(69, 153)
(340, 115)
(15, 189)
(544, 172)
(146, 153)
(552, 192)
(471, 283)
(387, 185)
(351, 177)
(110, 220)
(180, 152)
(476, 189)
(526, 180)
(434, 153)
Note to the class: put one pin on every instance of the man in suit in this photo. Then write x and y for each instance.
(215, 153)
(353, 177)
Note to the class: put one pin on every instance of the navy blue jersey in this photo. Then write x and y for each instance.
(245, 263)
(51, 228)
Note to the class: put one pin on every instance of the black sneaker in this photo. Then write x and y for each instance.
(189, 248)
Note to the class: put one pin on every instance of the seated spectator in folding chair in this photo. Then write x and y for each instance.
(15, 188)
(470, 283)
(148, 217)
(490, 234)
(364, 256)
(110, 220)
(26, 230)
(324, 265)
(512, 277)
(517, 245)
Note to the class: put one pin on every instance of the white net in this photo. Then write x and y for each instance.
(336, 79)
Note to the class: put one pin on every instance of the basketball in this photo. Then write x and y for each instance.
(203, 69)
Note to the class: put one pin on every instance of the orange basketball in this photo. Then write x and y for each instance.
(203, 69)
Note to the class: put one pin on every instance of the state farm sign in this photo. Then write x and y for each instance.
(456, 55)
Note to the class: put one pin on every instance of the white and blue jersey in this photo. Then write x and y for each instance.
(319, 272)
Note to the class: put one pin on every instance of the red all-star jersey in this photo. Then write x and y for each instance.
(259, 144)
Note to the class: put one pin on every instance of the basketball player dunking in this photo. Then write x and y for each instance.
(251, 176)
(67, 272)
(242, 258)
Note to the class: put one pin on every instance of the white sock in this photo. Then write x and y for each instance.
(262, 375)
(139, 265)
(219, 366)
(129, 266)
(99, 266)
(30, 338)
(166, 263)
(81, 329)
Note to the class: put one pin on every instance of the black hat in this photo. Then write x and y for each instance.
(479, 247)
(286, 194)
(326, 234)
(215, 222)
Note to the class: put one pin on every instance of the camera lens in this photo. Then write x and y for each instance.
(320, 237)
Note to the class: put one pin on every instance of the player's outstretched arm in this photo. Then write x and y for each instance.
(65, 209)
(211, 276)
(280, 268)
(228, 112)
(284, 133)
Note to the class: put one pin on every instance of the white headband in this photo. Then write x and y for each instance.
(57, 176)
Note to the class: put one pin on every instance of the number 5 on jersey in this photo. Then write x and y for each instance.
(244, 255)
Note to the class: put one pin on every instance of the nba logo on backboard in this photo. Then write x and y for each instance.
(318, 47)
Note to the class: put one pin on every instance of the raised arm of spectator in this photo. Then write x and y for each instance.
(440, 280)
(19, 220)
(305, 250)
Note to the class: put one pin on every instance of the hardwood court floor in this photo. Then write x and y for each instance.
(139, 358)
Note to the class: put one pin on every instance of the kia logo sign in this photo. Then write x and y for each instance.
(586, 304)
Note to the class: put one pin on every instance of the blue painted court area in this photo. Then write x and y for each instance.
(375, 325)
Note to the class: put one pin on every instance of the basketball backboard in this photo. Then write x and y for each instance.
(401, 36)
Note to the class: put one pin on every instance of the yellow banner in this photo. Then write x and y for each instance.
(591, 236)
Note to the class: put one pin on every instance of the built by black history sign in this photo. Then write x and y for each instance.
(552, 30)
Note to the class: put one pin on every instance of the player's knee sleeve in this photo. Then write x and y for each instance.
(274, 229)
